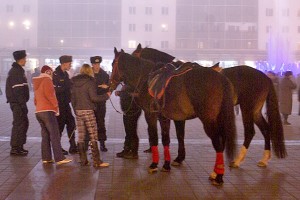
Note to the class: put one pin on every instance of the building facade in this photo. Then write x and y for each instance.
(207, 31)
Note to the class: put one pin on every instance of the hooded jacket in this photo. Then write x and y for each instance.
(44, 94)
(84, 93)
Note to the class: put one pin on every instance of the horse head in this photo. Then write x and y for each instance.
(116, 77)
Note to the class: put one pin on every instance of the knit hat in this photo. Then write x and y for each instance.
(96, 59)
(46, 68)
(65, 59)
(18, 55)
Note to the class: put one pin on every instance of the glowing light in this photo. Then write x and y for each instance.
(27, 24)
(11, 24)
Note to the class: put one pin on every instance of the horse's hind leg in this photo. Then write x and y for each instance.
(165, 136)
(180, 132)
(249, 132)
(263, 127)
(219, 144)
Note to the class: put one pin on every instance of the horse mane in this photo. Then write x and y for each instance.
(156, 55)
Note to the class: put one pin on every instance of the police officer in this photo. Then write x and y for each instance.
(17, 94)
(102, 79)
(62, 85)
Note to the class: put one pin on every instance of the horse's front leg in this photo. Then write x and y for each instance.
(151, 119)
(165, 135)
(180, 132)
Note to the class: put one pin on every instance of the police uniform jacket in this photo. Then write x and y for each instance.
(17, 90)
(62, 86)
(101, 78)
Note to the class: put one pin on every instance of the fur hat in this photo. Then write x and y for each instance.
(18, 55)
(96, 59)
(65, 59)
(45, 68)
(288, 73)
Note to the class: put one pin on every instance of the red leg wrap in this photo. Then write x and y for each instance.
(167, 153)
(219, 166)
(155, 154)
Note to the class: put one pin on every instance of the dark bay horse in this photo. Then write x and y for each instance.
(201, 92)
(252, 89)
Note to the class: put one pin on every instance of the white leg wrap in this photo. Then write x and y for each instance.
(266, 157)
(241, 156)
(213, 176)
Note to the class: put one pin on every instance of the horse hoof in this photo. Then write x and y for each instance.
(176, 164)
(216, 181)
(233, 165)
(166, 167)
(153, 168)
(261, 164)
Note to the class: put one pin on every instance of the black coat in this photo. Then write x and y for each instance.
(101, 78)
(17, 90)
(62, 86)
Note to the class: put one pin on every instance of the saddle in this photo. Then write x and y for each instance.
(158, 80)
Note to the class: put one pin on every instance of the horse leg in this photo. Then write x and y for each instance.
(165, 136)
(263, 127)
(218, 142)
(153, 137)
(249, 133)
(180, 127)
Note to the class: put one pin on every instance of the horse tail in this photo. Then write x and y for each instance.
(228, 120)
(275, 124)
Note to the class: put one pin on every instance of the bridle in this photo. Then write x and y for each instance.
(115, 83)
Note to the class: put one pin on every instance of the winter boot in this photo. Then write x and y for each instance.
(82, 154)
(96, 156)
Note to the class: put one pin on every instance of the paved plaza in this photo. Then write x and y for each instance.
(27, 178)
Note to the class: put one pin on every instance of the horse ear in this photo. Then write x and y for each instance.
(216, 65)
(139, 46)
(122, 51)
(115, 51)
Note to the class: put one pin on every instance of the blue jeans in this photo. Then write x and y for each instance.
(50, 136)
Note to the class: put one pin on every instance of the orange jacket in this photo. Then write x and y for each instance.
(44, 94)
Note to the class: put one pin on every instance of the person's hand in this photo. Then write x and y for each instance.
(57, 114)
(108, 93)
(104, 86)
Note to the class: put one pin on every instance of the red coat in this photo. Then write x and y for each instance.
(44, 94)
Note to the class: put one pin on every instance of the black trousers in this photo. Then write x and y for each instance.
(20, 125)
(66, 118)
(130, 122)
(100, 113)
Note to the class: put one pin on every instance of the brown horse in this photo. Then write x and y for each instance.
(252, 89)
(201, 92)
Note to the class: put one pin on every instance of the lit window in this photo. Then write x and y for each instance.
(131, 44)
(164, 27)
